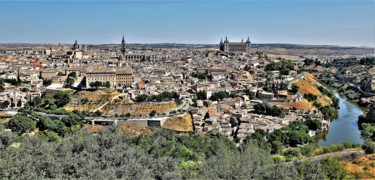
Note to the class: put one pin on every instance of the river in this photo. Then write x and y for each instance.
(345, 127)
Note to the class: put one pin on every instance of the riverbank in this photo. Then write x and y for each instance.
(361, 106)
(344, 127)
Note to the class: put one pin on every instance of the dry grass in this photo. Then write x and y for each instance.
(5, 120)
(137, 109)
(82, 107)
(309, 85)
(134, 129)
(324, 100)
(361, 168)
(179, 123)
(94, 129)
(99, 95)
(96, 95)
(303, 104)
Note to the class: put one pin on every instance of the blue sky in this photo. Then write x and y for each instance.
(328, 22)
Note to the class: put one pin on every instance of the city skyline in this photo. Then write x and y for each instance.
(344, 23)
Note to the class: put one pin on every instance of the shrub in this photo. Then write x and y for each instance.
(152, 113)
(49, 136)
(369, 147)
(21, 124)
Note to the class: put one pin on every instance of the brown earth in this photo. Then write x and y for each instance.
(179, 123)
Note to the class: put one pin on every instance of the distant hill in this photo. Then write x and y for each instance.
(276, 49)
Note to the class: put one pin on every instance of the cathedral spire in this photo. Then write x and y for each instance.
(248, 39)
(226, 39)
(123, 46)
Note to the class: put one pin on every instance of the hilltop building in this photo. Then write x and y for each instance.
(79, 47)
(116, 77)
(235, 47)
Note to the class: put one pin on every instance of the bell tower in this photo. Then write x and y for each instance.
(123, 46)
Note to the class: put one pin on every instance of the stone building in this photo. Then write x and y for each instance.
(116, 77)
(235, 47)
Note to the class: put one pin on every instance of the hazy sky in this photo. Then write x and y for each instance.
(330, 22)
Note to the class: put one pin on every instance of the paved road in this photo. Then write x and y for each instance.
(341, 155)
(359, 88)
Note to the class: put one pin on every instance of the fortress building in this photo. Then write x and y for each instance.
(235, 47)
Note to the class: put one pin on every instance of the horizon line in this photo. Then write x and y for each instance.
(281, 43)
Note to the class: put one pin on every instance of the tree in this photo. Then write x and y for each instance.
(62, 98)
(45, 123)
(219, 95)
(369, 146)
(295, 88)
(153, 113)
(6, 138)
(96, 84)
(73, 75)
(332, 168)
(257, 139)
(265, 108)
(84, 100)
(201, 95)
(47, 101)
(111, 156)
(24, 89)
(49, 136)
(276, 147)
(47, 82)
(308, 61)
(233, 121)
(21, 124)
(97, 113)
(309, 170)
(4, 104)
(244, 164)
(283, 66)
(142, 98)
(107, 84)
(313, 124)
(70, 81)
(310, 97)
